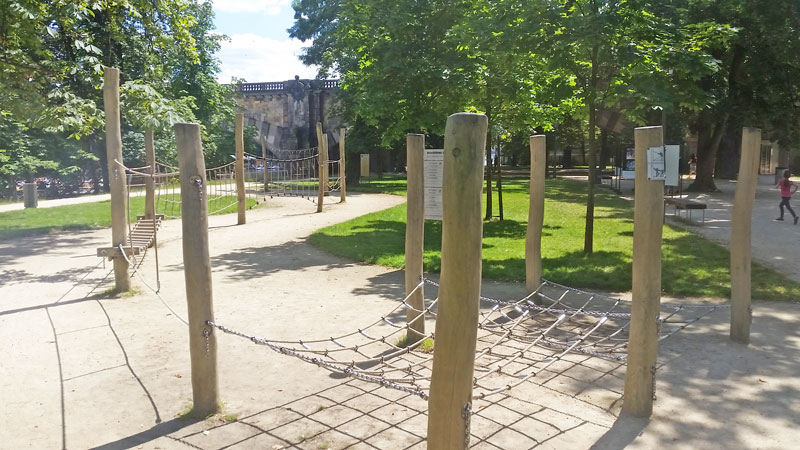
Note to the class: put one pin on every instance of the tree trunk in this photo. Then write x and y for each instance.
(489, 165)
(588, 241)
(729, 153)
(499, 183)
(708, 141)
(708, 136)
(604, 150)
(12, 187)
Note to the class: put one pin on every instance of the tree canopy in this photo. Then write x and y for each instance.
(51, 63)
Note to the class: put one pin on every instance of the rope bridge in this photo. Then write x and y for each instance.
(292, 173)
(221, 192)
(517, 340)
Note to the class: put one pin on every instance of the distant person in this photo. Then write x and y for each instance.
(692, 164)
(787, 189)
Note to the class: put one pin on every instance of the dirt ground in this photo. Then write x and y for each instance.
(82, 370)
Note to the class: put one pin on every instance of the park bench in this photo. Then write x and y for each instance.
(686, 205)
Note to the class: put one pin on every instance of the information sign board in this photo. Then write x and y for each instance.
(434, 174)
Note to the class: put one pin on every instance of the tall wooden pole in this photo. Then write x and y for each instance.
(415, 234)
(648, 221)
(150, 185)
(342, 167)
(264, 160)
(321, 163)
(197, 269)
(533, 236)
(450, 402)
(240, 197)
(119, 188)
(741, 220)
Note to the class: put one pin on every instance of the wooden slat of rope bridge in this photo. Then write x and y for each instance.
(140, 238)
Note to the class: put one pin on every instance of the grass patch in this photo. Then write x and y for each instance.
(114, 293)
(387, 184)
(691, 265)
(187, 413)
(37, 221)
(426, 346)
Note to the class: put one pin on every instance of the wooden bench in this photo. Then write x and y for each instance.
(686, 205)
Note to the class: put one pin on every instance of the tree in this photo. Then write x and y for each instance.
(53, 53)
(758, 83)
(619, 54)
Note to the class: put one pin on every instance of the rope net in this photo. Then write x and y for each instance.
(221, 189)
(554, 327)
(293, 173)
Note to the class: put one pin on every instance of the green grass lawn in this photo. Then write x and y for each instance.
(691, 265)
(28, 222)
(387, 184)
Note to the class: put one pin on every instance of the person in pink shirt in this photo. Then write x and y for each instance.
(787, 189)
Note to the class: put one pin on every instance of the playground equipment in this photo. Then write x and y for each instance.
(548, 331)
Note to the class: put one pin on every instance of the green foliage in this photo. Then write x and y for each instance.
(691, 265)
(51, 65)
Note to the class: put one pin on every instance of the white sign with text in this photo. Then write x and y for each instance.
(434, 174)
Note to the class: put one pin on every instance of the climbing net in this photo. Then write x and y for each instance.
(517, 340)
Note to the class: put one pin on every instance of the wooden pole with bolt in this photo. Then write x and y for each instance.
(450, 402)
(320, 163)
(197, 270)
(342, 167)
(415, 235)
(533, 236)
(239, 167)
(117, 181)
(150, 185)
(648, 221)
(264, 160)
(741, 221)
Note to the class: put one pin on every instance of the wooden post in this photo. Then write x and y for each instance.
(326, 168)
(30, 195)
(119, 188)
(741, 220)
(320, 162)
(648, 220)
(239, 167)
(150, 191)
(415, 234)
(450, 402)
(533, 236)
(264, 160)
(342, 167)
(197, 269)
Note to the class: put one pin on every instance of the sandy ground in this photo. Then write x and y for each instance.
(82, 370)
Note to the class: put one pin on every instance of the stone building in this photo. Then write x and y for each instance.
(286, 112)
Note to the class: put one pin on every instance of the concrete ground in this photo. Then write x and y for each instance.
(82, 369)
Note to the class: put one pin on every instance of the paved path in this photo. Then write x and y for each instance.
(57, 202)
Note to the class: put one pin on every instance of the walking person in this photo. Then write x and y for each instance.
(787, 189)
